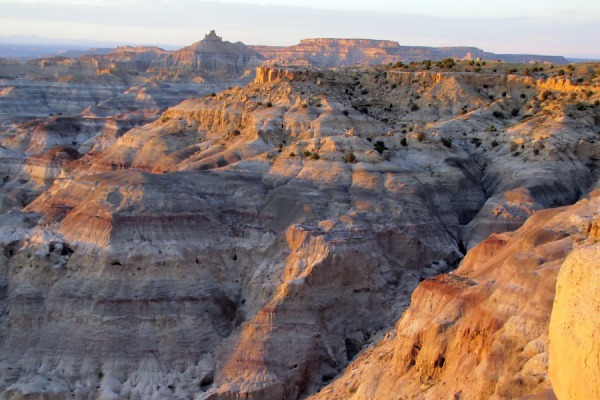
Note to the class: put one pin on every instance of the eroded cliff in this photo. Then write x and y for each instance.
(251, 243)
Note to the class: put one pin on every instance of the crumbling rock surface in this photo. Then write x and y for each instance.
(483, 330)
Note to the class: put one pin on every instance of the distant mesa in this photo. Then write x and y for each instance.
(313, 52)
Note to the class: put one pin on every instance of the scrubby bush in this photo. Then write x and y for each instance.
(349, 158)
(380, 146)
(314, 156)
(447, 142)
(476, 142)
(403, 142)
(446, 63)
(269, 104)
(498, 114)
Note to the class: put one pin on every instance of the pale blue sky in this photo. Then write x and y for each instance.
(511, 26)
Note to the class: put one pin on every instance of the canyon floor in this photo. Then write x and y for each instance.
(389, 232)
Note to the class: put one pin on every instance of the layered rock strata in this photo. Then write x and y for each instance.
(483, 331)
(251, 243)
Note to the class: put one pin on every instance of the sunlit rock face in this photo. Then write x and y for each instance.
(484, 331)
(252, 243)
(574, 354)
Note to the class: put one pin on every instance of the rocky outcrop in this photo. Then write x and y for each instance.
(268, 75)
(482, 331)
(574, 353)
(215, 58)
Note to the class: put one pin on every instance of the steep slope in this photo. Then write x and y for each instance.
(574, 353)
(482, 331)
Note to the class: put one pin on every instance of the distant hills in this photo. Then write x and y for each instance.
(318, 52)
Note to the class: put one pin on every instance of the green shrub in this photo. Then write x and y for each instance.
(314, 156)
(446, 63)
(306, 153)
(447, 142)
(498, 114)
(403, 142)
(269, 104)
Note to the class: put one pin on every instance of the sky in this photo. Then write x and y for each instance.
(547, 27)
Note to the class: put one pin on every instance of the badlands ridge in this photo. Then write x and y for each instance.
(294, 237)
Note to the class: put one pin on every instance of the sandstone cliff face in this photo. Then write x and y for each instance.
(574, 354)
(482, 331)
(251, 243)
